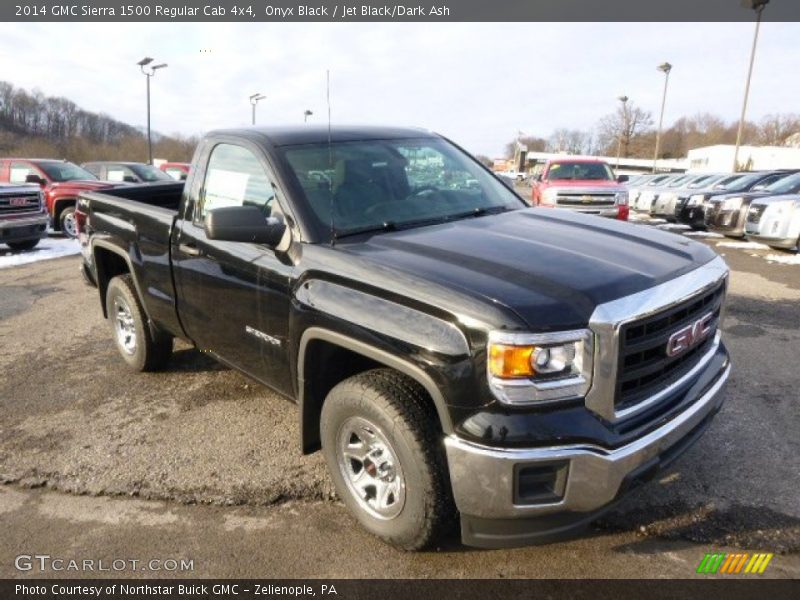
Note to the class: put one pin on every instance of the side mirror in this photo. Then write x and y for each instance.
(129, 179)
(184, 176)
(244, 224)
(33, 178)
(622, 178)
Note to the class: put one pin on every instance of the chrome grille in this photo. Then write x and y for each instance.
(644, 366)
(579, 200)
(19, 203)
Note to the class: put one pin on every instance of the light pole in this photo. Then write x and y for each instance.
(624, 100)
(306, 113)
(758, 6)
(253, 101)
(666, 68)
(149, 72)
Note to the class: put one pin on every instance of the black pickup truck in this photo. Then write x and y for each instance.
(454, 353)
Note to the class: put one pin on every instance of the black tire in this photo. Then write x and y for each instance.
(26, 245)
(66, 221)
(403, 414)
(146, 352)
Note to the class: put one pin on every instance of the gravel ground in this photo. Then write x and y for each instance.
(74, 421)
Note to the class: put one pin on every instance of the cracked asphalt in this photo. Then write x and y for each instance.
(200, 462)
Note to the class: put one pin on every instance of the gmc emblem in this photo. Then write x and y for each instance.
(18, 201)
(689, 336)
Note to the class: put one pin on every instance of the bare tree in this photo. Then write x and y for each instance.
(625, 124)
(776, 129)
(571, 141)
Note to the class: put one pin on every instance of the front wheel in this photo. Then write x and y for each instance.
(139, 347)
(384, 451)
(69, 226)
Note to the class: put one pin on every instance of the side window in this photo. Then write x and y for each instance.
(93, 168)
(120, 173)
(234, 177)
(19, 171)
(175, 173)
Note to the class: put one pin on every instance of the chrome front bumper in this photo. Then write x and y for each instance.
(483, 478)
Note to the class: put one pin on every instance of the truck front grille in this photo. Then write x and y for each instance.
(14, 204)
(644, 366)
(586, 200)
(755, 212)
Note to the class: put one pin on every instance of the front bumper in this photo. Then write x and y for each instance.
(788, 243)
(589, 478)
(23, 228)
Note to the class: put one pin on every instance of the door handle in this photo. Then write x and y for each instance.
(189, 249)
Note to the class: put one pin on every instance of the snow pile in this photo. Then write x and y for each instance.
(783, 259)
(703, 234)
(743, 245)
(48, 248)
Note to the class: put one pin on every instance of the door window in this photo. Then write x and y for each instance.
(235, 177)
(20, 170)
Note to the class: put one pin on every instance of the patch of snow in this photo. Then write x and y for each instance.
(51, 247)
(743, 245)
(673, 227)
(783, 259)
(703, 234)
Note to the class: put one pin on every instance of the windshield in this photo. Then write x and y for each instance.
(149, 173)
(595, 171)
(740, 182)
(679, 181)
(785, 185)
(384, 184)
(64, 171)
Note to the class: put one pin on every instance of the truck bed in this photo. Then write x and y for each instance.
(136, 222)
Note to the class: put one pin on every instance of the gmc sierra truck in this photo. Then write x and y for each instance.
(23, 216)
(454, 353)
(584, 185)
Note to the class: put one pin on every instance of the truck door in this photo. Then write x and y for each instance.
(233, 297)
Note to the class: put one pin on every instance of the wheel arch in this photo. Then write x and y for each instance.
(110, 261)
(315, 341)
(59, 205)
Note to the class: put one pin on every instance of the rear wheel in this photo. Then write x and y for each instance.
(69, 226)
(26, 245)
(384, 452)
(139, 347)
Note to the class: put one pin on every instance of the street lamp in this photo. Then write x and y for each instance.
(665, 68)
(149, 72)
(624, 100)
(758, 6)
(306, 113)
(253, 101)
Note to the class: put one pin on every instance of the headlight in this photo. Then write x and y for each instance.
(622, 198)
(550, 195)
(696, 199)
(525, 368)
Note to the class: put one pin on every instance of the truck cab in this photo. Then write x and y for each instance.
(585, 185)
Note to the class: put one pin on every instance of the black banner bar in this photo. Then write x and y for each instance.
(383, 589)
(390, 10)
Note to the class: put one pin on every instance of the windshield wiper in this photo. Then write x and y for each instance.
(385, 226)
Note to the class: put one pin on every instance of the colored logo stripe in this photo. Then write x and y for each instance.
(721, 562)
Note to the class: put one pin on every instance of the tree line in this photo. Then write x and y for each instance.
(35, 125)
(630, 132)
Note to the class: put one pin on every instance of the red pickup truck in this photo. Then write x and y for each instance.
(585, 185)
(61, 182)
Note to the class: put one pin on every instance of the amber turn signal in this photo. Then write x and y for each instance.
(511, 361)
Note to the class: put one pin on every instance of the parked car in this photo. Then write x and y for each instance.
(453, 352)
(23, 216)
(127, 172)
(60, 182)
(663, 204)
(636, 191)
(650, 194)
(728, 214)
(775, 221)
(693, 211)
(177, 170)
(584, 185)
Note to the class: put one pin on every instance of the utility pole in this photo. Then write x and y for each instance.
(666, 68)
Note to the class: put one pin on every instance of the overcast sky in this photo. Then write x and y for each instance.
(476, 83)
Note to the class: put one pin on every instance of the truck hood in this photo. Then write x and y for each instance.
(80, 185)
(550, 267)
